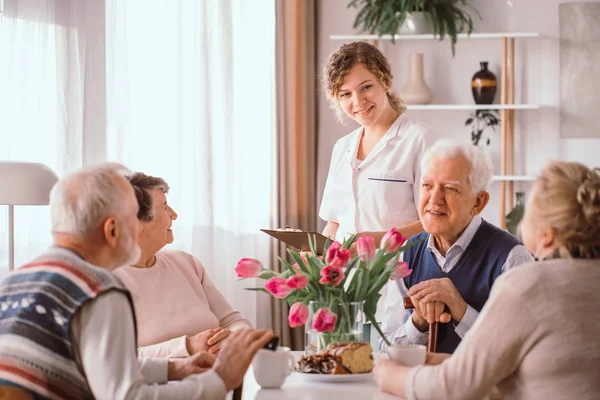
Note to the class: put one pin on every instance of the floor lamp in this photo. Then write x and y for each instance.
(23, 184)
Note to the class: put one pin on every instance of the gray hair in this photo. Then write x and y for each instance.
(482, 168)
(82, 200)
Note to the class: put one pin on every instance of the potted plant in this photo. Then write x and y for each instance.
(447, 17)
(479, 121)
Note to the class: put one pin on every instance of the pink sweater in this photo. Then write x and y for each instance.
(175, 298)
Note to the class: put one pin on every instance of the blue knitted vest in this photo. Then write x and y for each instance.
(473, 275)
(37, 304)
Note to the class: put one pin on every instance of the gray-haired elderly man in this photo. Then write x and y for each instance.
(457, 264)
(67, 325)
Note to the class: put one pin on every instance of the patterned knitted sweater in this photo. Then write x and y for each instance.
(37, 304)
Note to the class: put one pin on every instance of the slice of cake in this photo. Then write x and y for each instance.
(355, 356)
(321, 364)
(339, 358)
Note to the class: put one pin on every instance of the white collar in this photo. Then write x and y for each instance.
(464, 239)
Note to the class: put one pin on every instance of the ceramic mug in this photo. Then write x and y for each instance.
(271, 368)
(409, 355)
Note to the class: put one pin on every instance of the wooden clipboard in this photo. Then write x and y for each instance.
(298, 239)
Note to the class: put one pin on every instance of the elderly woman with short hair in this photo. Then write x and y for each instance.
(178, 308)
(461, 254)
(538, 336)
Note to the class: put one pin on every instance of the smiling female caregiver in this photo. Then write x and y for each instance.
(374, 177)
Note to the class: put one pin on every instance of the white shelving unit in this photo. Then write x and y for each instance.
(514, 178)
(507, 106)
(457, 107)
(500, 35)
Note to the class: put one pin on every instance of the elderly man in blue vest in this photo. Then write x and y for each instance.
(67, 326)
(454, 268)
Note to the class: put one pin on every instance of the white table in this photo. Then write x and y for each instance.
(296, 387)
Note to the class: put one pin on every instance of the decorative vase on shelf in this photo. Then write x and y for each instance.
(417, 23)
(483, 85)
(416, 91)
(322, 329)
(514, 217)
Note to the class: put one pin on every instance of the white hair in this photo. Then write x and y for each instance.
(82, 200)
(482, 168)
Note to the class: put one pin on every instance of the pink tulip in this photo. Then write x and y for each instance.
(298, 315)
(297, 281)
(331, 275)
(277, 287)
(365, 245)
(324, 320)
(337, 256)
(248, 268)
(400, 271)
(393, 239)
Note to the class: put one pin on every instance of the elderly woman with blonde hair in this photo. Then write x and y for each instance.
(538, 336)
(179, 310)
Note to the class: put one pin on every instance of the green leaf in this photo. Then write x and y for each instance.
(296, 257)
(257, 290)
(267, 274)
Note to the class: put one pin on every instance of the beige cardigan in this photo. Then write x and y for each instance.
(537, 337)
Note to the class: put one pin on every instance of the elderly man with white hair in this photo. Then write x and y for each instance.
(67, 325)
(454, 268)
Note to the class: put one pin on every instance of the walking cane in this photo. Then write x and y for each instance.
(433, 327)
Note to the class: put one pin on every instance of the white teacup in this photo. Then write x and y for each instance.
(409, 355)
(272, 367)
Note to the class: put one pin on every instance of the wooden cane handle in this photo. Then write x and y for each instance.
(433, 327)
(433, 334)
(237, 393)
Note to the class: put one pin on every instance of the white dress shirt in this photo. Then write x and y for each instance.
(104, 341)
(381, 191)
(397, 324)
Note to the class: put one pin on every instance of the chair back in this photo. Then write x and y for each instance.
(8, 392)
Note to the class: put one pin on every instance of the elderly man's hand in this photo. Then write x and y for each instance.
(180, 368)
(425, 313)
(237, 354)
(442, 290)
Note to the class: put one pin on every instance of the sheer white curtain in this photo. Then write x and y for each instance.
(43, 76)
(190, 94)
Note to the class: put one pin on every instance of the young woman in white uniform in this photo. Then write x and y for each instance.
(373, 181)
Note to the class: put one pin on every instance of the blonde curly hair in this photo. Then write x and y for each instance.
(567, 199)
(344, 59)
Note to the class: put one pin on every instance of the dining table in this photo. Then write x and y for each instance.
(299, 386)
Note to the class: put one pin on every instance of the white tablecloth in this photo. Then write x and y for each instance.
(296, 387)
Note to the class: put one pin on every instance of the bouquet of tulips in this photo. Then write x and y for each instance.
(336, 278)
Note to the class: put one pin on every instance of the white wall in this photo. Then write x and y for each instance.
(536, 68)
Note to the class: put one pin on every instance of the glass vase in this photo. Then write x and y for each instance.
(348, 325)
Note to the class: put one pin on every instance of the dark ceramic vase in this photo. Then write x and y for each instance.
(483, 85)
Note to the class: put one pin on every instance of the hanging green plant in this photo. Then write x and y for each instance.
(447, 17)
(479, 121)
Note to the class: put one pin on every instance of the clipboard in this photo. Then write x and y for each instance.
(298, 239)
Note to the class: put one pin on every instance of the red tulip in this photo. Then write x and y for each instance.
(337, 256)
(277, 287)
(365, 245)
(393, 240)
(248, 268)
(297, 281)
(324, 320)
(331, 275)
(400, 271)
(298, 315)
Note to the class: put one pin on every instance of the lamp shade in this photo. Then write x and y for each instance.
(25, 183)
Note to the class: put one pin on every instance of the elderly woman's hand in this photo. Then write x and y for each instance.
(208, 340)
(390, 376)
